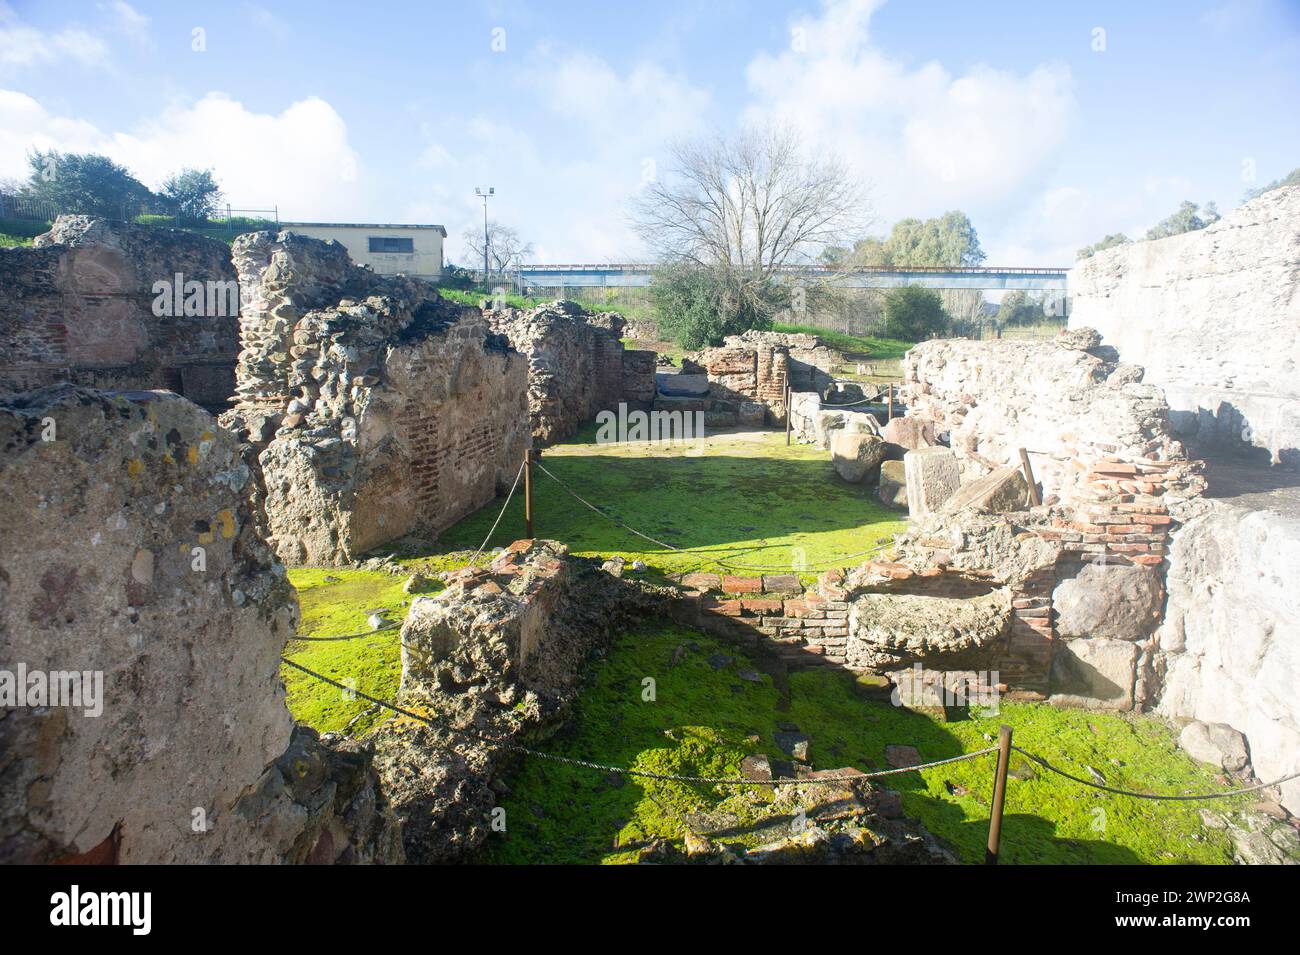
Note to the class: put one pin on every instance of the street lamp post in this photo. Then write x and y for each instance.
(484, 194)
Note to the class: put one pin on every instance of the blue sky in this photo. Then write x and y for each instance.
(1051, 124)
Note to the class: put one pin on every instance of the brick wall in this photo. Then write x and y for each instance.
(78, 307)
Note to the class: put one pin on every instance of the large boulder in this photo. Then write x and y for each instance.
(682, 385)
(1215, 743)
(1096, 674)
(909, 433)
(932, 477)
(1111, 601)
(856, 455)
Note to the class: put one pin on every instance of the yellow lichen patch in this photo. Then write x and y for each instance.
(193, 454)
(134, 467)
(227, 520)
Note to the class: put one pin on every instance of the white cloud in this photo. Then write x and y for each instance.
(928, 140)
(23, 47)
(299, 159)
(565, 178)
(128, 21)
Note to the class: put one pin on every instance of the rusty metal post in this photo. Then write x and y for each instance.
(1034, 497)
(999, 796)
(528, 493)
(787, 406)
(889, 399)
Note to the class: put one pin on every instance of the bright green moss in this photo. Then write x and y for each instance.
(702, 722)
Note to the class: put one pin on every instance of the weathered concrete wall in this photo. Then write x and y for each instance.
(1214, 317)
(576, 365)
(79, 307)
(1230, 643)
(375, 408)
(129, 549)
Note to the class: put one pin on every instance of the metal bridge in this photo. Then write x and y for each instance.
(637, 275)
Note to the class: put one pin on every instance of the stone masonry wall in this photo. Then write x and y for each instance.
(129, 549)
(78, 307)
(576, 365)
(1214, 317)
(373, 408)
(1087, 567)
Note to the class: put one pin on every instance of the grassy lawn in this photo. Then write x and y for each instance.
(745, 499)
(335, 602)
(732, 499)
(705, 719)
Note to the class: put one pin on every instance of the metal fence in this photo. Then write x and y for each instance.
(27, 207)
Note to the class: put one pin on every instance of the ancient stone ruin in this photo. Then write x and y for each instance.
(120, 306)
(1214, 317)
(577, 366)
(373, 408)
(131, 550)
(743, 381)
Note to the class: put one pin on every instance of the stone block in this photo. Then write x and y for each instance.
(909, 433)
(995, 493)
(1097, 674)
(932, 477)
(856, 455)
(682, 386)
(892, 489)
(1112, 601)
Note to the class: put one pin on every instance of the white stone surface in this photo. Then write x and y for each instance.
(1231, 636)
(1195, 309)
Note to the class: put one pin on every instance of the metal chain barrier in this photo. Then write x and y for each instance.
(1135, 795)
(624, 770)
(350, 636)
(493, 530)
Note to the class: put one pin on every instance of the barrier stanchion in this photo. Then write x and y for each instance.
(999, 796)
(528, 493)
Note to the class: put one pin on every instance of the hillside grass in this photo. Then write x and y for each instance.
(705, 719)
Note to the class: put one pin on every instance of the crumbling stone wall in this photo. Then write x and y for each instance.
(129, 549)
(1085, 570)
(1214, 317)
(1066, 401)
(577, 365)
(498, 656)
(373, 408)
(79, 307)
(755, 366)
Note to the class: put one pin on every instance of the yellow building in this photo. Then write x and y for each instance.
(388, 248)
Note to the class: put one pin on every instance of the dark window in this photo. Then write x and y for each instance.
(381, 243)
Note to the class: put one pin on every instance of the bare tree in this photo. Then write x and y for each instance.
(506, 248)
(743, 209)
(965, 307)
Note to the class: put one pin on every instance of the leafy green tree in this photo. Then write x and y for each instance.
(193, 193)
(947, 241)
(913, 313)
(1117, 238)
(1020, 308)
(85, 183)
(1188, 218)
(697, 307)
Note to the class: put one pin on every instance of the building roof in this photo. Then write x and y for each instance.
(362, 225)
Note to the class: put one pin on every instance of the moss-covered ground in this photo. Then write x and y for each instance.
(746, 499)
(733, 502)
(705, 718)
